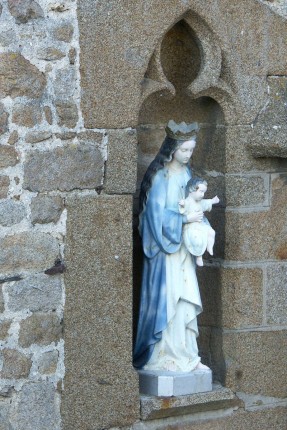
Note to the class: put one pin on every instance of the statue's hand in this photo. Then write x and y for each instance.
(215, 200)
(195, 216)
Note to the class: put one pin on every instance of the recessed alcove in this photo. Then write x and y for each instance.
(176, 64)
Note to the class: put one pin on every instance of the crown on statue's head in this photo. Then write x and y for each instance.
(181, 131)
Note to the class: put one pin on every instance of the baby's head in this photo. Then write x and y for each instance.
(196, 187)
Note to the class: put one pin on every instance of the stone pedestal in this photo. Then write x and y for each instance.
(167, 384)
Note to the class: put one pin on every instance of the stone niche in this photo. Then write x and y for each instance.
(175, 72)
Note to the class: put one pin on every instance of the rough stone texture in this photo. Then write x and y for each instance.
(3, 120)
(47, 363)
(27, 251)
(72, 55)
(67, 113)
(15, 364)
(121, 166)
(8, 156)
(18, 77)
(276, 294)
(13, 138)
(27, 114)
(4, 186)
(64, 33)
(11, 212)
(246, 191)
(153, 407)
(271, 122)
(50, 54)
(232, 297)
(45, 209)
(66, 168)
(41, 329)
(48, 114)
(63, 85)
(268, 419)
(25, 10)
(2, 306)
(4, 406)
(100, 270)
(40, 136)
(66, 135)
(36, 408)
(252, 357)
(38, 293)
(244, 238)
(4, 328)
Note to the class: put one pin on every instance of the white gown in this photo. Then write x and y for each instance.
(177, 350)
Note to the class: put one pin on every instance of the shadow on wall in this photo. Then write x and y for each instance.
(176, 63)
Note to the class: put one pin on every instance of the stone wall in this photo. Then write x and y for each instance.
(80, 83)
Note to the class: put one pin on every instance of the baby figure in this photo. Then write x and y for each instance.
(197, 236)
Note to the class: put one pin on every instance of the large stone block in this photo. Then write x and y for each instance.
(27, 114)
(15, 364)
(276, 294)
(40, 328)
(64, 169)
(121, 166)
(259, 235)
(11, 212)
(251, 190)
(99, 322)
(25, 10)
(232, 297)
(19, 77)
(36, 407)
(38, 293)
(27, 251)
(255, 362)
(8, 156)
(45, 209)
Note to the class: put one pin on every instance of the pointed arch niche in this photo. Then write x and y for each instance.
(187, 80)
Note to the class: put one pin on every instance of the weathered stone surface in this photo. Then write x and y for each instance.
(27, 251)
(232, 297)
(153, 407)
(64, 32)
(64, 85)
(40, 328)
(7, 37)
(27, 114)
(267, 419)
(67, 113)
(121, 166)
(4, 406)
(2, 307)
(4, 186)
(13, 138)
(50, 54)
(11, 212)
(38, 293)
(48, 114)
(48, 361)
(244, 237)
(45, 209)
(40, 136)
(18, 77)
(4, 328)
(8, 156)
(72, 55)
(276, 294)
(101, 270)
(25, 10)
(74, 166)
(37, 407)
(246, 191)
(3, 120)
(250, 360)
(15, 364)
(66, 135)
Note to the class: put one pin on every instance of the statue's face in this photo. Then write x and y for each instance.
(184, 151)
(199, 193)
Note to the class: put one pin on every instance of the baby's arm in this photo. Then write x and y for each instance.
(206, 204)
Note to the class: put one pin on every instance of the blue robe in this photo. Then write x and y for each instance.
(161, 232)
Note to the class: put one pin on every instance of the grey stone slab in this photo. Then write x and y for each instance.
(11, 212)
(101, 387)
(167, 384)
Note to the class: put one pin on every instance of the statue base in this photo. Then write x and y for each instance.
(167, 384)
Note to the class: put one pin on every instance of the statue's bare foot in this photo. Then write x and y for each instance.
(199, 261)
(201, 366)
